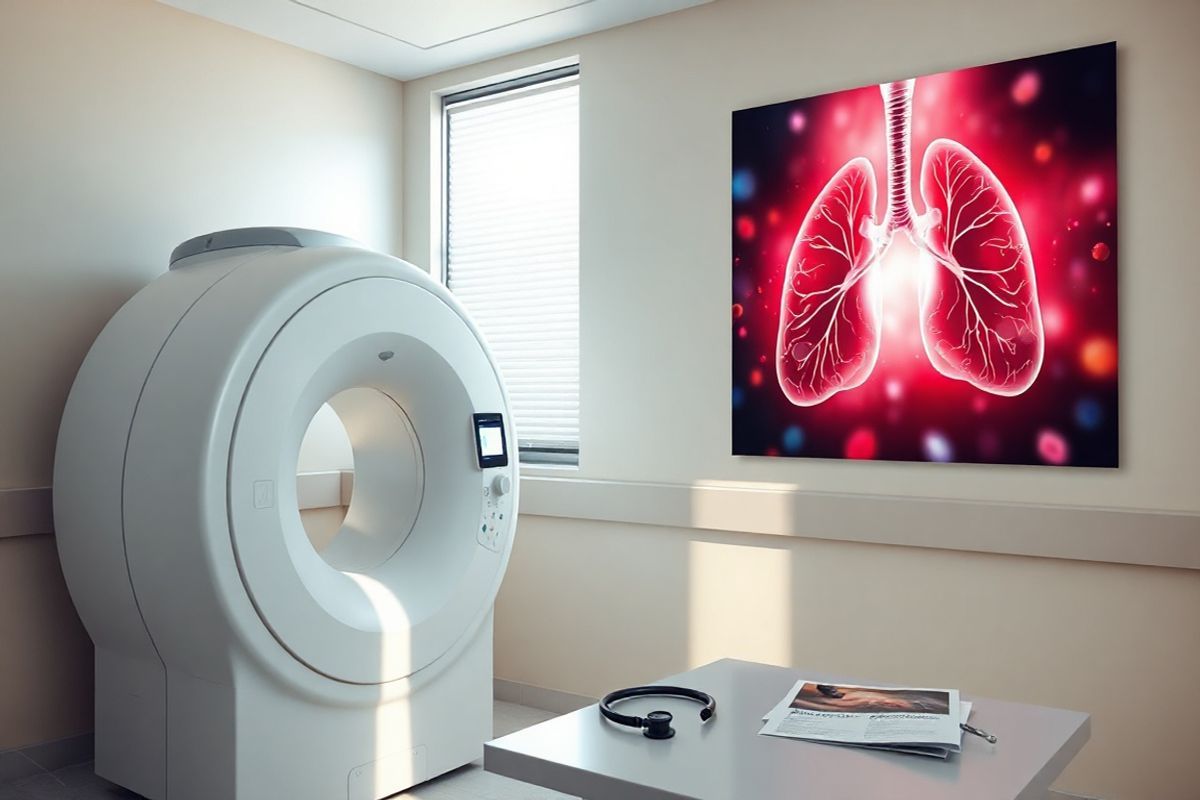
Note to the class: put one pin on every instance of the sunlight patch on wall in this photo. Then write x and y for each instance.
(739, 603)
(719, 505)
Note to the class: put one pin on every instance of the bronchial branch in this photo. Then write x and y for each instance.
(897, 102)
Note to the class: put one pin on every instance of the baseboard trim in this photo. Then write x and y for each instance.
(35, 759)
(25, 512)
(554, 700)
(1082, 533)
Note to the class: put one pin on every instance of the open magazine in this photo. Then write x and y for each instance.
(920, 721)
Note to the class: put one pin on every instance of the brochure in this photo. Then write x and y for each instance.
(920, 721)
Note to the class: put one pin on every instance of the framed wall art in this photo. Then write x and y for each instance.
(926, 269)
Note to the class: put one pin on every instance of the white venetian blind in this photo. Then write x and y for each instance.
(512, 247)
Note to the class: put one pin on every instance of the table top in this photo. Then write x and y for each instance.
(581, 754)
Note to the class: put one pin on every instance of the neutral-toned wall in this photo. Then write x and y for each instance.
(127, 126)
(578, 612)
(322, 524)
(45, 655)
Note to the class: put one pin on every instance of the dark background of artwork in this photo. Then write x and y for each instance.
(1046, 126)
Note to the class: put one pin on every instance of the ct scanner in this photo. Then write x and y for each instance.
(232, 659)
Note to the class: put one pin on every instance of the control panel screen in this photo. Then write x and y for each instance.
(491, 440)
(491, 447)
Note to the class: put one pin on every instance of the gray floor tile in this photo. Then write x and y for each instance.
(16, 765)
(43, 787)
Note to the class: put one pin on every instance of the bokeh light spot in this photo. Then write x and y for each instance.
(743, 184)
(1088, 413)
(745, 227)
(1026, 87)
(937, 447)
(1098, 356)
(797, 122)
(989, 445)
(1053, 447)
(1043, 151)
(862, 444)
(739, 397)
(1054, 322)
(1078, 271)
(1091, 189)
(756, 378)
(793, 439)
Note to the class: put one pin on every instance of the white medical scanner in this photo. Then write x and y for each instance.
(234, 660)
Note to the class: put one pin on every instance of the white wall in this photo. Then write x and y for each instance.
(326, 445)
(655, 165)
(127, 126)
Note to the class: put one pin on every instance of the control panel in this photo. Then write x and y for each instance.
(496, 520)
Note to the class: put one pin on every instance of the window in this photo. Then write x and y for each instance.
(511, 249)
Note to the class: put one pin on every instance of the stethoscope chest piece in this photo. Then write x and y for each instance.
(658, 725)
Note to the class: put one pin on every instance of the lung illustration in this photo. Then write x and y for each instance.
(977, 291)
(829, 326)
(980, 320)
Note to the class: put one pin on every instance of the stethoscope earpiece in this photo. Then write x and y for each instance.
(656, 724)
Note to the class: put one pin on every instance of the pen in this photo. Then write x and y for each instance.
(977, 732)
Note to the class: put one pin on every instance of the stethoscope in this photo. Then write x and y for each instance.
(656, 724)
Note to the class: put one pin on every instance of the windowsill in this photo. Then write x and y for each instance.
(549, 470)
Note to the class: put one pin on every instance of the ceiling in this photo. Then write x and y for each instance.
(408, 39)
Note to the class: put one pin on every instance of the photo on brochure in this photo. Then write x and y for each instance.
(867, 700)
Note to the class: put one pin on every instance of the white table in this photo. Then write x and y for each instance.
(580, 754)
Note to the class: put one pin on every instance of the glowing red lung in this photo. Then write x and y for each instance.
(829, 319)
(980, 320)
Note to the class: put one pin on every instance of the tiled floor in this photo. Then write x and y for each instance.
(469, 783)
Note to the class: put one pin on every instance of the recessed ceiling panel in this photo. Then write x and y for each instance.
(427, 25)
(409, 39)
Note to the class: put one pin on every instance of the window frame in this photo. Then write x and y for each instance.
(540, 79)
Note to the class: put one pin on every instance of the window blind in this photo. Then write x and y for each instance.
(512, 248)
